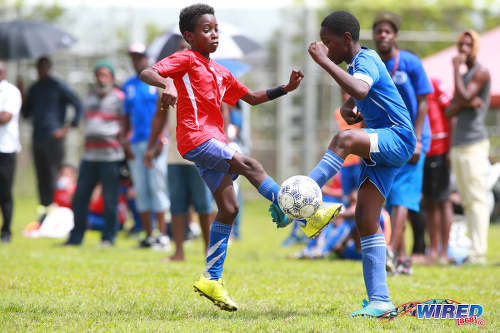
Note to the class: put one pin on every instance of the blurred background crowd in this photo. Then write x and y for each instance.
(75, 122)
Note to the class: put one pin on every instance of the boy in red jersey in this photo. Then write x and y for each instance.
(202, 85)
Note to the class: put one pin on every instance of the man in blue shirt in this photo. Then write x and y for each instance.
(46, 104)
(412, 83)
(150, 184)
(386, 145)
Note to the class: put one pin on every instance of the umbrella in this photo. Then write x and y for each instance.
(31, 39)
(232, 44)
(236, 67)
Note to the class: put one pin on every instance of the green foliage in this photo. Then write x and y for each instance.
(152, 31)
(47, 288)
(40, 11)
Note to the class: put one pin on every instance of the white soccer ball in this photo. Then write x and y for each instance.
(299, 197)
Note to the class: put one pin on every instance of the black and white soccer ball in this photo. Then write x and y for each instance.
(299, 197)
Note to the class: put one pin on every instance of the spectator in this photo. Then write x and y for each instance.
(102, 155)
(46, 103)
(436, 187)
(10, 105)
(413, 85)
(150, 184)
(470, 144)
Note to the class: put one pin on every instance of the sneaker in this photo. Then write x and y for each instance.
(106, 244)
(376, 309)
(320, 219)
(390, 261)
(278, 216)
(403, 266)
(5, 238)
(161, 243)
(214, 290)
(146, 243)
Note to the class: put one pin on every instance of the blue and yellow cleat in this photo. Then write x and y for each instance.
(214, 290)
(376, 309)
(278, 216)
(323, 216)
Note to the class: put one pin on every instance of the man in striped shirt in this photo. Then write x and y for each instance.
(102, 155)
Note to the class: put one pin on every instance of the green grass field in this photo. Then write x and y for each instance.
(48, 288)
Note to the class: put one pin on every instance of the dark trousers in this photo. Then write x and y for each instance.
(48, 156)
(417, 221)
(7, 169)
(90, 174)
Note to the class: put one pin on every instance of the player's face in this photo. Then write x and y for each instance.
(205, 37)
(384, 36)
(337, 45)
(465, 45)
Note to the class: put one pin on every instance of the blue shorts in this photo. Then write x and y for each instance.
(349, 176)
(211, 161)
(390, 148)
(187, 188)
(407, 187)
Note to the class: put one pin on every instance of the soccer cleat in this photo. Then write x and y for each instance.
(320, 219)
(278, 216)
(390, 261)
(214, 290)
(376, 309)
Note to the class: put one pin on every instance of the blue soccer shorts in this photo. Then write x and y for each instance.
(210, 159)
(406, 189)
(390, 148)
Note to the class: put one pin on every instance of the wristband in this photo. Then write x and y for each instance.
(276, 92)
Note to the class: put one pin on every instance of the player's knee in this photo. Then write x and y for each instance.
(346, 140)
(230, 210)
(343, 141)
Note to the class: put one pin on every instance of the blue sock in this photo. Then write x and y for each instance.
(329, 165)
(269, 189)
(373, 250)
(216, 255)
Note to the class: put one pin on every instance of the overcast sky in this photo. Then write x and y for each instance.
(172, 3)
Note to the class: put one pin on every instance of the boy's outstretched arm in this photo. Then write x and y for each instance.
(153, 78)
(261, 96)
(356, 88)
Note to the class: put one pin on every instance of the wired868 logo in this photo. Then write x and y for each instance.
(444, 309)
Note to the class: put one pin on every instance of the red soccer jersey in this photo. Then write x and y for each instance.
(440, 125)
(201, 85)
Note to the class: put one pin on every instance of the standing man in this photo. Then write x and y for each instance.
(150, 184)
(470, 144)
(46, 104)
(10, 105)
(413, 85)
(101, 156)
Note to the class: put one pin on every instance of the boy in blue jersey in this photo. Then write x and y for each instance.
(409, 76)
(386, 145)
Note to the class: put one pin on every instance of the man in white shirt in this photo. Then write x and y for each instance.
(10, 105)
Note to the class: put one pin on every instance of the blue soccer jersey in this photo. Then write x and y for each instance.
(383, 106)
(411, 81)
(392, 136)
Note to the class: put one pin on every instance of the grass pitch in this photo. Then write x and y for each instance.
(46, 288)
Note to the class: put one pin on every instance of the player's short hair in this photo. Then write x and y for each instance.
(340, 22)
(189, 16)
